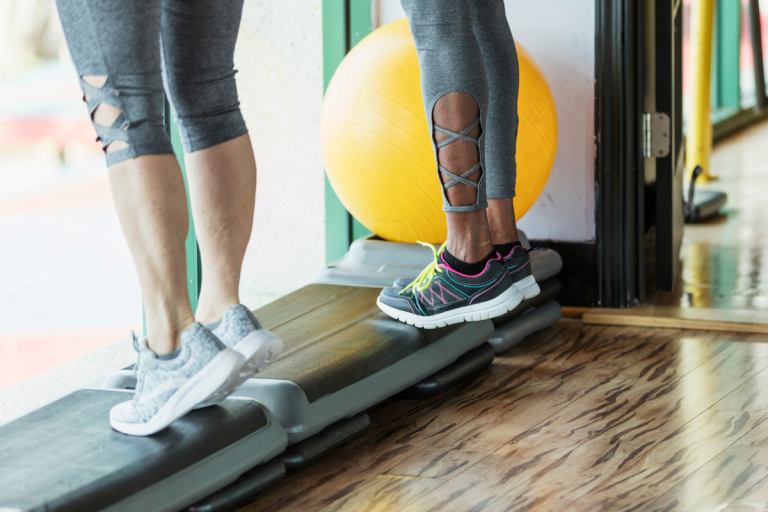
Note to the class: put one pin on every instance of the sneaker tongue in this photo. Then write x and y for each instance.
(141, 345)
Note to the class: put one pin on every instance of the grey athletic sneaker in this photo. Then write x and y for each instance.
(242, 332)
(442, 296)
(167, 389)
(518, 264)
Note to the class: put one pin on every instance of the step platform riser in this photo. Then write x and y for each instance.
(302, 418)
(66, 457)
(534, 320)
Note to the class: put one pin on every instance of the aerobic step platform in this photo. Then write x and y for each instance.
(342, 355)
(374, 262)
(530, 316)
(66, 457)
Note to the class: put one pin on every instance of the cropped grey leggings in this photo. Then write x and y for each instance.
(467, 46)
(142, 45)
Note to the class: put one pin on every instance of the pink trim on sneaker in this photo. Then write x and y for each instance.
(448, 291)
(482, 292)
(446, 266)
(407, 301)
(520, 268)
(513, 250)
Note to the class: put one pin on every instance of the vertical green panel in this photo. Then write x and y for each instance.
(345, 23)
(334, 37)
(360, 25)
(358, 230)
(715, 87)
(726, 57)
(194, 268)
(334, 48)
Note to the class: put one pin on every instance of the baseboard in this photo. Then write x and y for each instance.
(674, 317)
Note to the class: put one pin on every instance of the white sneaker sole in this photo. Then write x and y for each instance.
(213, 378)
(259, 349)
(528, 287)
(504, 303)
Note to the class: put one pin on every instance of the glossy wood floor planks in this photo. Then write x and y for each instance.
(578, 417)
(723, 258)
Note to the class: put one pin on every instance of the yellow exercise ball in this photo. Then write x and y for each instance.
(376, 142)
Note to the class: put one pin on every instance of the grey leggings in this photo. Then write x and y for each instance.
(142, 45)
(467, 46)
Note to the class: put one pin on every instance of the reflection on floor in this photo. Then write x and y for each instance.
(576, 418)
(725, 260)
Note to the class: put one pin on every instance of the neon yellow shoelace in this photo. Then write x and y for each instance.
(426, 276)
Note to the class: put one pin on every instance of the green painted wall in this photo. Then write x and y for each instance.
(726, 53)
(194, 267)
(345, 23)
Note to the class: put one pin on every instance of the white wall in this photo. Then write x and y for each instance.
(279, 56)
(560, 35)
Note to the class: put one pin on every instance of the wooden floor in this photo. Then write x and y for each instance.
(725, 259)
(578, 417)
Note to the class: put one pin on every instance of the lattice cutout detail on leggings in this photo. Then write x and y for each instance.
(94, 97)
(454, 136)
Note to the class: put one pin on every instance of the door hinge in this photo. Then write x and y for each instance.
(656, 135)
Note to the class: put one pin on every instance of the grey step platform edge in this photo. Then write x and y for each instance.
(481, 357)
(374, 262)
(532, 321)
(304, 453)
(474, 361)
(549, 290)
(293, 459)
(341, 356)
(66, 457)
(243, 490)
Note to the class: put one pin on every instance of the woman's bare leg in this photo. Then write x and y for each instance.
(152, 206)
(222, 185)
(501, 219)
(469, 238)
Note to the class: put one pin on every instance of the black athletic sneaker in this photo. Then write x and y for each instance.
(519, 268)
(441, 296)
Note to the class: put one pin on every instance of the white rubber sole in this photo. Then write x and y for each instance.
(504, 303)
(528, 287)
(259, 349)
(213, 378)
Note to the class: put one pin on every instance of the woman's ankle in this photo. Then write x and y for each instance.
(469, 238)
(211, 311)
(165, 337)
(501, 221)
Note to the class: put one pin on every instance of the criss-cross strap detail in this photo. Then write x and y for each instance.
(105, 94)
(456, 179)
(454, 136)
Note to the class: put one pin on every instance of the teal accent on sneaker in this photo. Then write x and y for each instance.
(442, 296)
